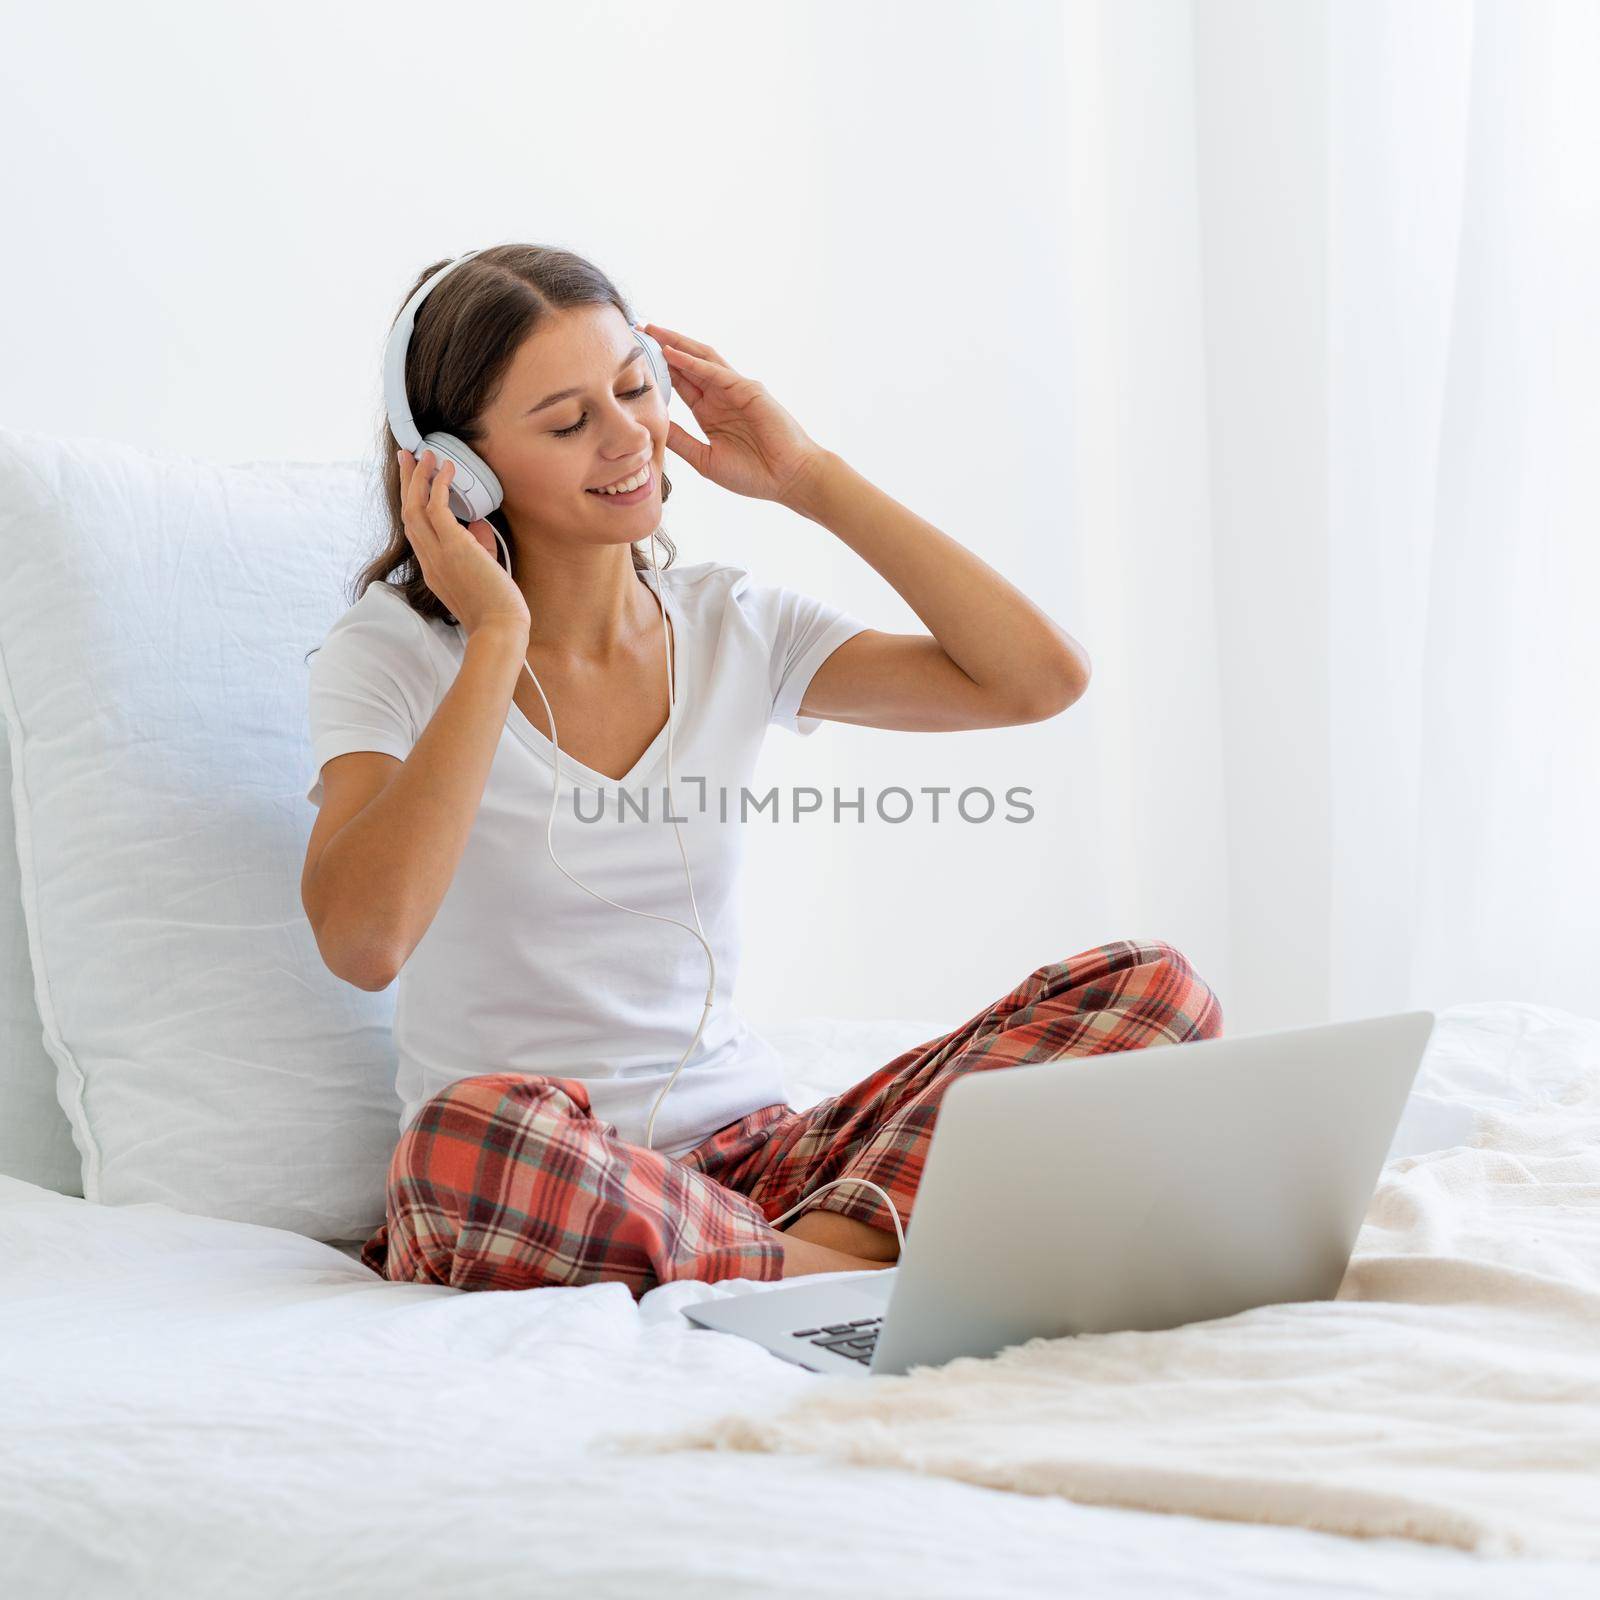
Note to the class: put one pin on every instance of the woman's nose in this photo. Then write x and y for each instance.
(632, 436)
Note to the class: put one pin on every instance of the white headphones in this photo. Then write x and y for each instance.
(473, 493)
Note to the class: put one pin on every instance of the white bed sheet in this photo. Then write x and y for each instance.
(198, 1407)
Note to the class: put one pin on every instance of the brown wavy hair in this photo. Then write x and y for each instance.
(466, 333)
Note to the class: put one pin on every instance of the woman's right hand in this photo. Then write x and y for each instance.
(458, 561)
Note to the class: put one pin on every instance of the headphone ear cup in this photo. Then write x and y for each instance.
(474, 490)
(658, 361)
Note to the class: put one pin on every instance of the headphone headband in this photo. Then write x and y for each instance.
(395, 398)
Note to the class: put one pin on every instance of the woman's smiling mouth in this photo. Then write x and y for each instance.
(638, 486)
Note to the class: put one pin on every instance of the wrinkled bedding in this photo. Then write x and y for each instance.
(200, 1407)
(1450, 1392)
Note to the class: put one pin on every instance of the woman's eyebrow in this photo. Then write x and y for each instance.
(567, 394)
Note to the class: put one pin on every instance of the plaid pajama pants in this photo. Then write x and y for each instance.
(509, 1181)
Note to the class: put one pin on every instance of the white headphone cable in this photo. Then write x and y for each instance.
(698, 930)
(899, 1230)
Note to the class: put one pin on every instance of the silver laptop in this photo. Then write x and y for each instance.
(1138, 1189)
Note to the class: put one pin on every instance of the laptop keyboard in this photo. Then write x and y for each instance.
(854, 1339)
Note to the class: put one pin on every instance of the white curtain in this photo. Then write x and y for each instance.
(1337, 421)
(1464, 389)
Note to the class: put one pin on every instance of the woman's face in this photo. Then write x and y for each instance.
(551, 449)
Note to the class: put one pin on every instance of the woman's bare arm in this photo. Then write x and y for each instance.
(993, 658)
(374, 883)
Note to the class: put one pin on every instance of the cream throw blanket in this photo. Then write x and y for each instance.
(1450, 1393)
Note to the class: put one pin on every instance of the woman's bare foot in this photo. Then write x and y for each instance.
(801, 1256)
(839, 1232)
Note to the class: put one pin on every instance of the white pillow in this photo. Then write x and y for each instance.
(35, 1136)
(154, 623)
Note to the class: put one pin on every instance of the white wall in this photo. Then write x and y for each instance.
(899, 218)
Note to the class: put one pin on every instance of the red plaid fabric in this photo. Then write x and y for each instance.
(509, 1181)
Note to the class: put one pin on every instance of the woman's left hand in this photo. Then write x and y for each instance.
(753, 446)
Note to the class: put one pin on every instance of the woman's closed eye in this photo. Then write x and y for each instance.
(632, 394)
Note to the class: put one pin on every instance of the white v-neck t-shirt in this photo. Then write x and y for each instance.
(520, 970)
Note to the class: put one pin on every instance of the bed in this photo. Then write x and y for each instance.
(206, 1393)
(197, 1406)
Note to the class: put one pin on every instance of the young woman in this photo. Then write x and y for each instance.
(535, 1025)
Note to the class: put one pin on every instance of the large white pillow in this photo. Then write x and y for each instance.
(154, 623)
(35, 1136)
